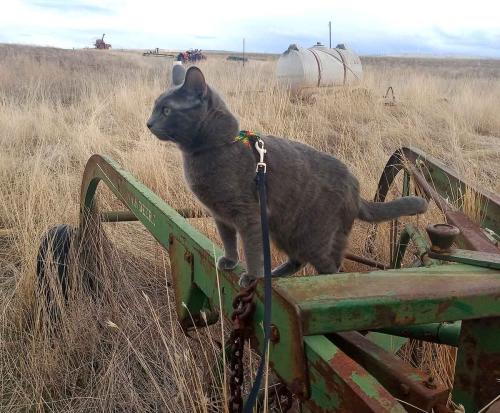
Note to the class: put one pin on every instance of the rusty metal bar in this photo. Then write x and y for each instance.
(363, 260)
(399, 378)
(471, 234)
(339, 384)
(414, 161)
(447, 183)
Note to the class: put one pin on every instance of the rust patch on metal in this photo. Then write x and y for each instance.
(478, 362)
(386, 316)
(442, 307)
(351, 387)
(398, 377)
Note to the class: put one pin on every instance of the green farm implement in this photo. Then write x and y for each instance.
(322, 347)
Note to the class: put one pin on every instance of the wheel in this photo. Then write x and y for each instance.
(394, 184)
(52, 267)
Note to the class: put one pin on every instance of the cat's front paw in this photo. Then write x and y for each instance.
(226, 264)
(246, 280)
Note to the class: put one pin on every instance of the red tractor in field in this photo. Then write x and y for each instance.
(191, 56)
(101, 44)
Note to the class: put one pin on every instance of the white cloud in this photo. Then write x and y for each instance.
(267, 25)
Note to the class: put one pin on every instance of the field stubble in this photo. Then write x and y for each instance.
(126, 353)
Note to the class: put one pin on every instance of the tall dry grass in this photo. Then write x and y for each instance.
(126, 352)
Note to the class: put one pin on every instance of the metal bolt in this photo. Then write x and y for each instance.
(275, 334)
(188, 257)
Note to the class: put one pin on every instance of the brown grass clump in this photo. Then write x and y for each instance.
(125, 352)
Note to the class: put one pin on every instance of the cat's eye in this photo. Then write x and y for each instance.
(166, 111)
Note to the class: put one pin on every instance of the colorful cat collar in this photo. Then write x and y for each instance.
(247, 137)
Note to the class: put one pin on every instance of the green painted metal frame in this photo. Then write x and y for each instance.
(374, 300)
(194, 275)
(477, 258)
(436, 181)
(408, 233)
(441, 333)
(306, 308)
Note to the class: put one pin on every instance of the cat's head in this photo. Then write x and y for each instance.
(191, 114)
(179, 112)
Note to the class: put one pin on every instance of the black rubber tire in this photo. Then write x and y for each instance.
(54, 251)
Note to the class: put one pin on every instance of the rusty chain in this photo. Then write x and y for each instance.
(243, 308)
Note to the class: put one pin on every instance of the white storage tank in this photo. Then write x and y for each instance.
(318, 66)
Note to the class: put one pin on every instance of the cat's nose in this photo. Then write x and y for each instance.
(149, 124)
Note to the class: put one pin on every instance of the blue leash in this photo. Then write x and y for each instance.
(260, 178)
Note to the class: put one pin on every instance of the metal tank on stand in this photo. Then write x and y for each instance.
(299, 68)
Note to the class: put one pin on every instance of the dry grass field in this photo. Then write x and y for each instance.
(125, 353)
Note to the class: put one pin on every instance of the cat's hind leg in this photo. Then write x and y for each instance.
(329, 259)
(287, 268)
(329, 263)
(327, 267)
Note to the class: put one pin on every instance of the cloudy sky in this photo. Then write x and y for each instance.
(444, 27)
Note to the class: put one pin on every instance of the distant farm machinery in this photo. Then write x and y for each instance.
(321, 348)
(191, 56)
(101, 44)
(156, 53)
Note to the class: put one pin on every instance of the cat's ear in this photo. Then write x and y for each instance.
(178, 74)
(195, 82)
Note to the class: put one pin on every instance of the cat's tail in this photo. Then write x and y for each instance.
(385, 211)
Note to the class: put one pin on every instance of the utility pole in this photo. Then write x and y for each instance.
(243, 51)
(330, 30)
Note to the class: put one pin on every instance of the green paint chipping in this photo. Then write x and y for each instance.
(415, 377)
(386, 341)
(369, 386)
(366, 384)
(322, 346)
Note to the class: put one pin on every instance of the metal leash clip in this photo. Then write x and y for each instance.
(259, 146)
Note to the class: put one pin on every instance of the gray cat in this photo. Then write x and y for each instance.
(313, 199)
